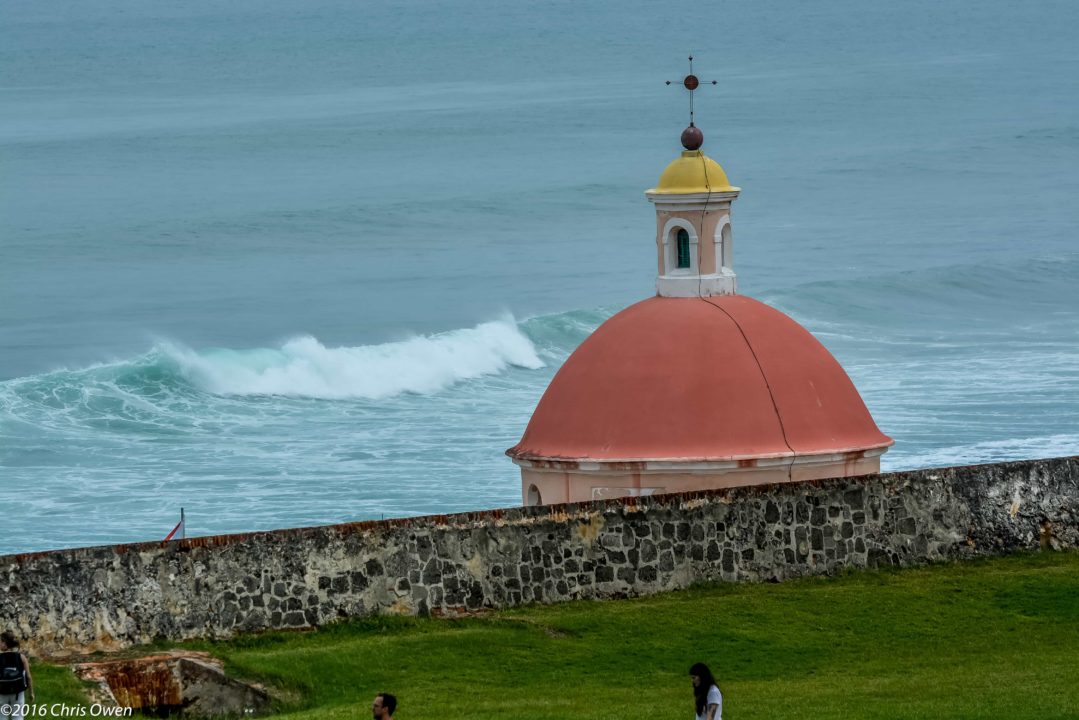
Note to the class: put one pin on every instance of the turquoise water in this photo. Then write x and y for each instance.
(286, 264)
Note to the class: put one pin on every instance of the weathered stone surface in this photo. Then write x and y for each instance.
(191, 684)
(107, 598)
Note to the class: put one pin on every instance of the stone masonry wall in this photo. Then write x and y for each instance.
(105, 598)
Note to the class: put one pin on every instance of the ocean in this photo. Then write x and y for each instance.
(294, 263)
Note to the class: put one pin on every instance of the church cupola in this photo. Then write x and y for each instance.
(698, 387)
(693, 224)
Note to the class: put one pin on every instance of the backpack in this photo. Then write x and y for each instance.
(12, 674)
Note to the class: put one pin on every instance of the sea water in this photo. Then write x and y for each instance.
(290, 263)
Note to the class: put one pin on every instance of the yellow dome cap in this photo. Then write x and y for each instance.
(694, 172)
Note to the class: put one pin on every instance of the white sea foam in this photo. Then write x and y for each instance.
(304, 367)
(1060, 445)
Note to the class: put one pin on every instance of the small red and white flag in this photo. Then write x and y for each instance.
(178, 529)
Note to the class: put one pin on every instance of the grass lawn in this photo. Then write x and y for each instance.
(986, 639)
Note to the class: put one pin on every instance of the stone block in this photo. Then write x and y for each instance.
(771, 512)
(855, 498)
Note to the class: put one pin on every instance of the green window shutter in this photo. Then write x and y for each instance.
(683, 249)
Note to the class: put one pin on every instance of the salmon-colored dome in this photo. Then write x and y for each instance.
(706, 378)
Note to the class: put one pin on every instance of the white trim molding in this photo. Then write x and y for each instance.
(692, 201)
(691, 465)
(670, 249)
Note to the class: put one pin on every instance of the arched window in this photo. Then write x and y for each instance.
(534, 496)
(683, 248)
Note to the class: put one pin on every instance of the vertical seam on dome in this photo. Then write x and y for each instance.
(768, 385)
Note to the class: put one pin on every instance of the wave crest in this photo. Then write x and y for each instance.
(304, 367)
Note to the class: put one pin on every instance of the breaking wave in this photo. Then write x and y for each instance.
(304, 367)
(300, 368)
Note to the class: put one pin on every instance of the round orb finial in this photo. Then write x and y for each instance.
(692, 138)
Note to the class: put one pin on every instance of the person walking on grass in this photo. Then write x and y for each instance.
(706, 695)
(384, 706)
(15, 680)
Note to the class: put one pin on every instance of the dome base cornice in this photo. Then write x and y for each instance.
(697, 466)
(724, 283)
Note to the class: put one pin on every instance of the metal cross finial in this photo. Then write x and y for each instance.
(691, 82)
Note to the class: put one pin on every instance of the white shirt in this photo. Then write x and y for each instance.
(714, 698)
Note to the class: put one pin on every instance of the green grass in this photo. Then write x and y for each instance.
(986, 639)
(56, 684)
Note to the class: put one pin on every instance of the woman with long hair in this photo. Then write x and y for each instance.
(706, 695)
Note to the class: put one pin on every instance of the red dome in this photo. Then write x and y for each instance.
(714, 378)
